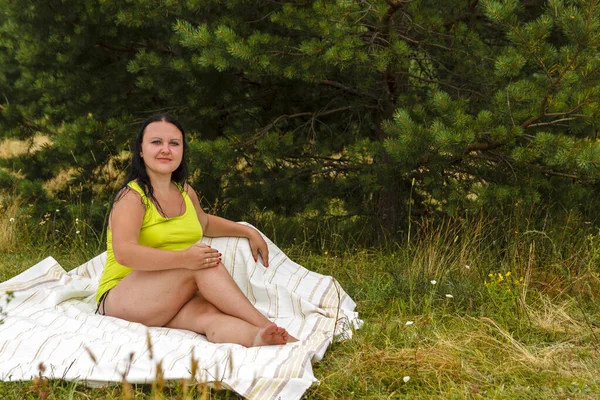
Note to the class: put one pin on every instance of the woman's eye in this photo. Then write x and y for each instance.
(156, 142)
(175, 143)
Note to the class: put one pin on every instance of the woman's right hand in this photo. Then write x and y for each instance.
(200, 256)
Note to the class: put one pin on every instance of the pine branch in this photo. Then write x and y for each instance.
(537, 59)
(323, 171)
(284, 117)
(482, 146)
(286, 53)
(551, 122)
(248, 80)
(496, 158)
(555, 82)
(487, 157)
(338, 85)
(565, 113)
(464, 16)
(561, 174)
(347, 89)
(530, 122)
(132, 50)
(119, 50)
(459, 90)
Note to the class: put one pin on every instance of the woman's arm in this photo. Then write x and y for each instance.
(214, 226)
(125, 223)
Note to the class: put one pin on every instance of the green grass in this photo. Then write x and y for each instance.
(513, 314)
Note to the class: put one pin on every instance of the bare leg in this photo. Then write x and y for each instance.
(165, 287)
(218, 287)
(151, 298)
(201, 316)
(157, 298)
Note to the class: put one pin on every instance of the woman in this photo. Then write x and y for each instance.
(156, 273)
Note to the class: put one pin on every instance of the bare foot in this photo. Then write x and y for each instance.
(290, 339)
(270, 335)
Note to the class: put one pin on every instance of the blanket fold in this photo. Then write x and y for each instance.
(51, 320)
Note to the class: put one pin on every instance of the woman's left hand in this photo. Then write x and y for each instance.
(258, 246)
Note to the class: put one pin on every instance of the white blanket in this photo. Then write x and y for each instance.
(51, 320)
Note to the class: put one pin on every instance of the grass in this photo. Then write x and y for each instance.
(465, 310)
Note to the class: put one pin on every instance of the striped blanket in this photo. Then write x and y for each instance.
(50, 320)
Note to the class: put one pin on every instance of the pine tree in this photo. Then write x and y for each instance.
(350, 108)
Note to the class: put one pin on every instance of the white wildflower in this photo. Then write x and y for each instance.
(77, 232)
(433, 281)
(76, 220)
(449, 296)
(406, 378)
(57, 210)
(467, 266)
(409, 323)
(12, 220)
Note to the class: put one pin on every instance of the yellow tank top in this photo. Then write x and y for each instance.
(176, 233)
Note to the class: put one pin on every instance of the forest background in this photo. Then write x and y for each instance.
(390, 143)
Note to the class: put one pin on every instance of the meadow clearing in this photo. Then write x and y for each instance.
(465, 310)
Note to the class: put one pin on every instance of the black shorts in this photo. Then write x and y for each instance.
(101, 303)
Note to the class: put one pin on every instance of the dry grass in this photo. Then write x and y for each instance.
(557, 316)
(109, 172)
(14, 147)
(508, 339)
(457, 357)
(9, 224)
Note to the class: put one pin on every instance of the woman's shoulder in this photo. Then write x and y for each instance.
(131, 191)
(135, 186)
(190, 193)
(128, 202)
(187, 189)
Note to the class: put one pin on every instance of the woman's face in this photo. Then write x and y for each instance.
(162, 148)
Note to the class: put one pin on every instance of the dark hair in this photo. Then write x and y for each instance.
(137, 171)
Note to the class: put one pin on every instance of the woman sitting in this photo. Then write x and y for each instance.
(156, 273)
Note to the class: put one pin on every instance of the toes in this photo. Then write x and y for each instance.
(281, 334)
(291, 339)
(271, 329)
(274, 334)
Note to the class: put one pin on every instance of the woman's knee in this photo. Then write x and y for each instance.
(198, 305)
(218, 270)
(208, 309)
(197, 312)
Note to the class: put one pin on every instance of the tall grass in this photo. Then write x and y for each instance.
(471, 309)
(27, 237)
(8, 224)
(504, 308)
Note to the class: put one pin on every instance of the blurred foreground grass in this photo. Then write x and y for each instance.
(462, 311)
